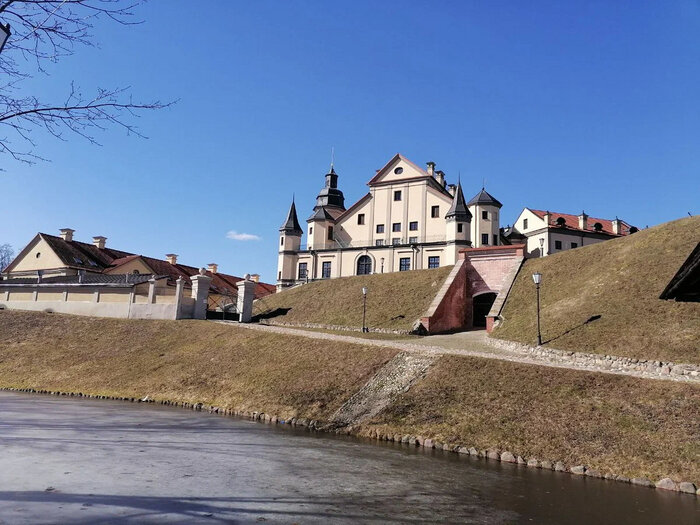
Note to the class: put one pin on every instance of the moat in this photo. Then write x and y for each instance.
(86, 461)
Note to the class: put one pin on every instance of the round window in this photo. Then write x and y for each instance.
(398, 171)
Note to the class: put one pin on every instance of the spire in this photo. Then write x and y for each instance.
(291, 225)
(459, 209)
(330, 195)
(484, 197)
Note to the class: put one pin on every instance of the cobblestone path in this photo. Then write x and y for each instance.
(478, 344)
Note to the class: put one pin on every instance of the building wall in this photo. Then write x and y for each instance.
(137, 265)
(39, 257)
(490, 226)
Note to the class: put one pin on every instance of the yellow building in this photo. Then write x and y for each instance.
(410, 219)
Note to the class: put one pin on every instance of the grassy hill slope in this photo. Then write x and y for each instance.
(620, 281)
(629, 426)
(188, 361)
(394, 300)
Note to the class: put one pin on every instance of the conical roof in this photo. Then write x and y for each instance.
(484, 197)
(291, 225)
(459, 209)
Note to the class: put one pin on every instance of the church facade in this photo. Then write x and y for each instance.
(410, 219)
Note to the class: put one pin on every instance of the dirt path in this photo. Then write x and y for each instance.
(477, 344)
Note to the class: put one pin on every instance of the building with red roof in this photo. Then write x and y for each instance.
(545, 232)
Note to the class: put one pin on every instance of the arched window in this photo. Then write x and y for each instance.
(364, 265)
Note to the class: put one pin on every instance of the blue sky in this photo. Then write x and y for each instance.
(558, 105)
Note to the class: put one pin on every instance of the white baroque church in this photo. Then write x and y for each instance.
(410, 219)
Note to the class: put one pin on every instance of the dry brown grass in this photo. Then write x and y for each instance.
(189, 361)
(394, 301)
(618, 424)
(619, 280)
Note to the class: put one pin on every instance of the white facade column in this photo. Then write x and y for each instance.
(246, 295)
(179, 288)
(200, 293)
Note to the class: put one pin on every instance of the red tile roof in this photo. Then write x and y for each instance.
(76, 254)
(572, 222)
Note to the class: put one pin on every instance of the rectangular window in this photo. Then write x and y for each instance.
(485, 239)
(326, 270)
(397, 195)
(557, 245)
(361, 218)
(302, 270)
(396, 240)
(495, 239)
(485, 215)
(404, 264)
(459, 227)
(380, 228)
(396, 227)
(435, 211)
(413, 240)
(524, 224)
(434, 262)
(574, 245)
(279, 276)
(379, 242)
(311, 230)
(281, 241)
(413, 226)
(330, 233)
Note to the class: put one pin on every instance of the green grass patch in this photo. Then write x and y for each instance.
(620, 281)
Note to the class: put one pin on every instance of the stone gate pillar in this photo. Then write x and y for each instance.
(200, 293)
(246, 294)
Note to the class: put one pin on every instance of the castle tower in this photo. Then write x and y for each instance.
(290, 242)
(330, 203)
(458, 224)
(485, 210)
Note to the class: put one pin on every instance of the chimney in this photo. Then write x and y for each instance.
(171, 258)
(255, 277)
(617, 226)
(213, 267)
(440, 176)
(452, 189)
(583, 221)
(99, 241)
(67, 234)
(547, 218)
(431, 168)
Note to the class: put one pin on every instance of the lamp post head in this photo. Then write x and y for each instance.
(541, 242)
(364, 290)
(537, 278)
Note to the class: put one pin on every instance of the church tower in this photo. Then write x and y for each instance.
(290, 243)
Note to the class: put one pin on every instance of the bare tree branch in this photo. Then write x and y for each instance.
(44, 31)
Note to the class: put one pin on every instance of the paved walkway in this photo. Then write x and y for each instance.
(477, 344)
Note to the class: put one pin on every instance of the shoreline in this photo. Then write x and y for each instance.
(666, 484)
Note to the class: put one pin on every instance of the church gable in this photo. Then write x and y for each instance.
(398, 168)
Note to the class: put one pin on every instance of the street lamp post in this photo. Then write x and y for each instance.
(364, 309)
(537, 278)
(382, 261)
(4, 35)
